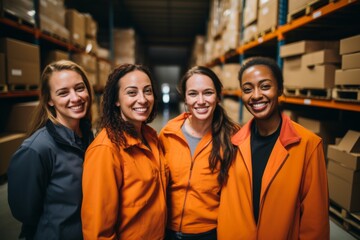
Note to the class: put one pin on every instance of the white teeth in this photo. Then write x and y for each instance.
(76, 107)
(258, 105)
(201, 109)
(140, 109)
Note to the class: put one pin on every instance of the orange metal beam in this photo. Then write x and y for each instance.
(322, 103)
(329, 8)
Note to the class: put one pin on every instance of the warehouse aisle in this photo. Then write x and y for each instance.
(10, 228)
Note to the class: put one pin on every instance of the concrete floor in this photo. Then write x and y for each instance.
(10, 228)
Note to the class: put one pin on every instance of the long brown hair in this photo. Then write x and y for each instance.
(223, 128)
(44, 111)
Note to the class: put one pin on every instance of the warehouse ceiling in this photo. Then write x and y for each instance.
(167, 28)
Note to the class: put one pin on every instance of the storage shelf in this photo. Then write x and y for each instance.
(307, 101)
(281, 33)
(322, 103)
(17, 94)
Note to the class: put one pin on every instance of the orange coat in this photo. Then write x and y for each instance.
(123, 189)
(193, 191)
(294, 200)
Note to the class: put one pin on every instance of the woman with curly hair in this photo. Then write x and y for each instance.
(123, 179)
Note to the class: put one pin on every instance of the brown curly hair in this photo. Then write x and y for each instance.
(111, 118)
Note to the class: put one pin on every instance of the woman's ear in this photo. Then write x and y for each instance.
(50, 103)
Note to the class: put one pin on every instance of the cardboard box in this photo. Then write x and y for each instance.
(229, 76)
(268, 15)
(302, 47)
(344, 185)
(295, 5)
(56, 55)
(324, 129)
(250, 12)
(20, 116)
(9, 143)
(20, 9)
(350, 61)
(232, 108)
(75, 22)
(350, 45)
(2, 70)
(347, 77)
(104, 69)
(90, 26)
(347, 152)
(292, 72)
(22, 60)
(321, 57)
(318, 76)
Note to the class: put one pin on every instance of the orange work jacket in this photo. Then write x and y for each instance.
(193, 191)
(294, 200)
(123, 189)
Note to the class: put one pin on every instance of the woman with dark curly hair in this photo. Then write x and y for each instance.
(123, 179)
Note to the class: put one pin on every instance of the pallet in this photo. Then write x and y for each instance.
(3, 88)
(308, 93)
(306, 10)
(20, 20)
(55, 36)
(346, 94)
(345, 219)
(23, 87)
(267, 31)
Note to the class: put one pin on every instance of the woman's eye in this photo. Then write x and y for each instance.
(132, 93)
(246, 90)
(208, 93)
(80, 89)
(62, 94)
(192, 94)
(148, 91)
(265, 87)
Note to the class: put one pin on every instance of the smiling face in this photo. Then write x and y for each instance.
(260, 92)
(136, 97)
(200, 97)
(69, 97)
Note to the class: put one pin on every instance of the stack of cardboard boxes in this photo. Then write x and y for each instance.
(22, 63)
(52, 18)
(344, 171)
(310, 64)
(350, 65)
(14, 132)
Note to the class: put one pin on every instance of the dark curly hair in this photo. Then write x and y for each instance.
(223, 128)
(111, 118)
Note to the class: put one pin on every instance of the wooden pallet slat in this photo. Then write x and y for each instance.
(306, 9)
(308, 93)
(345, 219)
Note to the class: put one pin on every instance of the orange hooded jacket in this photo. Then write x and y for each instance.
(193, 191)
(294, 200)
(123, 189)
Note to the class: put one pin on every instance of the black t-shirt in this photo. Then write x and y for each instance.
(261, 147)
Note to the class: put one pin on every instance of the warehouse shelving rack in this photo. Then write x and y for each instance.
(293, 31)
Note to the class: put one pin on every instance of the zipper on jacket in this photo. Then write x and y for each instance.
(179, 233)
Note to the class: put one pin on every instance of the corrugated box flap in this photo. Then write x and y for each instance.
(350, 142)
